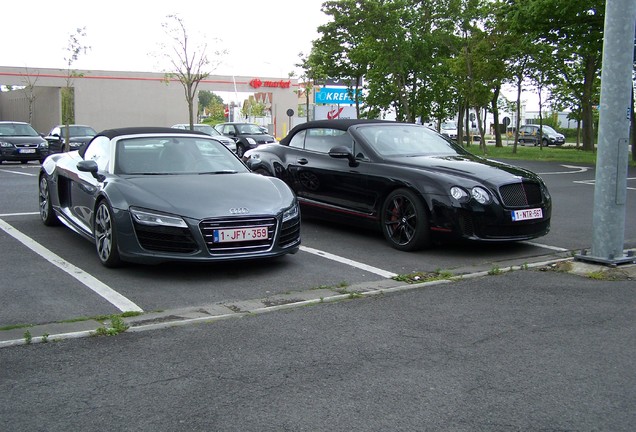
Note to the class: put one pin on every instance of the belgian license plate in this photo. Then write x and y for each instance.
(240, 234)
(27, 150)
(519, 215)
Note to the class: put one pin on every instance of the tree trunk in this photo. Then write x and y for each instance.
(480, 126)
(518, 119)
(460, 124)
(495, 115)
(586, 104)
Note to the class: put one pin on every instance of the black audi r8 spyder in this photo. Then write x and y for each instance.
(406, 179)
(151, 195)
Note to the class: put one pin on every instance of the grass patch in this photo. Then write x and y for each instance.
(494, 271)
(15, 326)
(117, 325)
(563, 266)
(612, 274)
(549, 154)
(421, 277)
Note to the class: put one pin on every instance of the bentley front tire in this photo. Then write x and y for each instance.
(405, 221)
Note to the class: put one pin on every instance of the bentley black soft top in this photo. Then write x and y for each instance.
(341, 124)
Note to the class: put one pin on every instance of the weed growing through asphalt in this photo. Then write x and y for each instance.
(421, 277)
(596, 275)
(117, 325)
(494, 271)
(563, 266)
(45, 338)
(15, 326)
(27, 337)
(611, 274)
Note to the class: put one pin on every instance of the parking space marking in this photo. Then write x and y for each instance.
(365, 267)
(100, 288)
(19, 214)
(554, 248)
(593, 182)
(576, 170)
(18, 172)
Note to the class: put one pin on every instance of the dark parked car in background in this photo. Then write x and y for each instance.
(20, 142)
(78, 135)
(246, 135)
(530, 134)
(407, 180)
(151, 195)
(208, 129)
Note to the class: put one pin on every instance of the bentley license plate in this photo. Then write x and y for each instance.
(519, 215)
(240, 234)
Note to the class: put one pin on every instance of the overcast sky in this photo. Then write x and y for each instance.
(263, 38)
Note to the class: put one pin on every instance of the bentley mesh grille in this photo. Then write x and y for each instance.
(521, 194)
(165, 239)
(208, 227)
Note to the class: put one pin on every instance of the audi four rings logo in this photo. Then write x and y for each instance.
(239, 210)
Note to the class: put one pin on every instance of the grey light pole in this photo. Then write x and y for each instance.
(610, 192)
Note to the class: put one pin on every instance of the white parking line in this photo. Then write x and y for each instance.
(593, 182)
(365, 267)
(576, 169)
(110, 295)
(18, 172)
(19, 214)
(555, 248)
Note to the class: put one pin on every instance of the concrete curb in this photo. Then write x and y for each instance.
(54, 332)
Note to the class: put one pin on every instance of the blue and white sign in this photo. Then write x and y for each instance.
(338, 96)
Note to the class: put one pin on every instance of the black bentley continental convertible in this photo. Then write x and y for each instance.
(407, 180)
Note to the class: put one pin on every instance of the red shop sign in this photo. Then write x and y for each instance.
(256, 83)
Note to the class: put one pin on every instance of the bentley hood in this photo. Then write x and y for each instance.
(204, 195)
(468, 166)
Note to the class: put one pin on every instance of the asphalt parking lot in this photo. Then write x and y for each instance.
(522, 337)
(52, 275)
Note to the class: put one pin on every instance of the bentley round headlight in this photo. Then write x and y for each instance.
(459, 194)
(480, 195)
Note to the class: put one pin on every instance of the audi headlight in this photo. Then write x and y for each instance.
(146, 217)
(459, 194)
(291, 213)
(480, 195)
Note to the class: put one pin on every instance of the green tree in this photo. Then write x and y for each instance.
(189, 61)
(213, 105)
(29, 92)
(573, 34)
(74, 48)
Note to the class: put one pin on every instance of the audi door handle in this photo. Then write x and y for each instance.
(303, 161)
